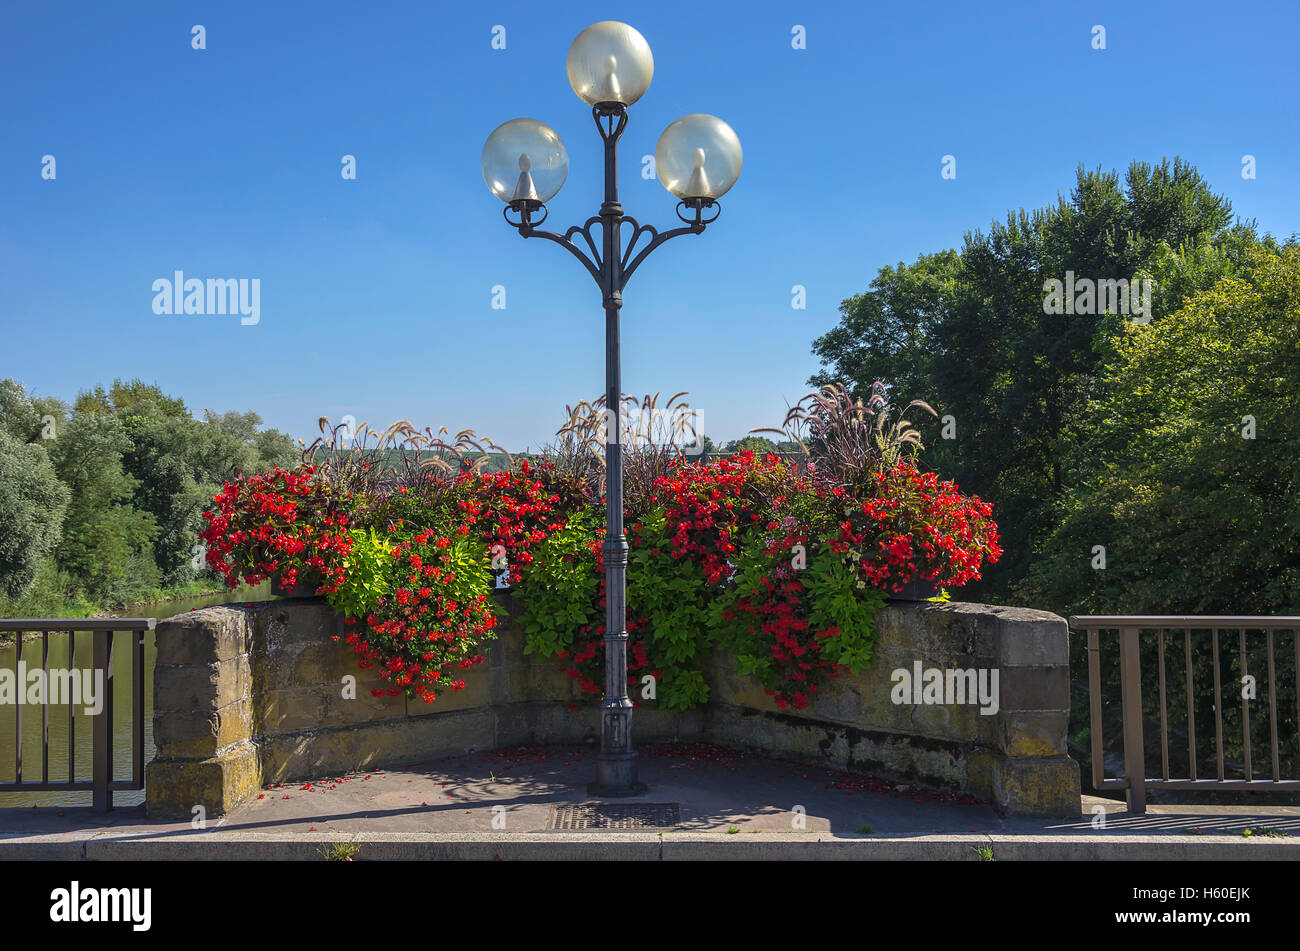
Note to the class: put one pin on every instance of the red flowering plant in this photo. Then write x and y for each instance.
(915, 527)
(685, 548)
(793, 615)
(435, 623)
(900, 525)
(785, 567)
(515, 511)
(282, 524)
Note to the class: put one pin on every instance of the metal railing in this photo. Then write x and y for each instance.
(101, 783)
(1135, 781)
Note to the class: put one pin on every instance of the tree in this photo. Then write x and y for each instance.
(888, 333)
(28, 419)
(32, 507)
(969, 333)
(106, 540)
(758, 444)
(178, 464)
(124, 398)
(133, 473)
(1191, 482)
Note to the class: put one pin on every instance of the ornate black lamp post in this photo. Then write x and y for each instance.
(525, 163)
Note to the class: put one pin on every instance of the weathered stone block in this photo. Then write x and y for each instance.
(1037, 734)
(205, 687)
(1032, 638)
(548, 722)
(1034, 688)
(387, 743)
(1046, 787)
(324, 663)
(323, 706)
(197, 735)
(538, 681)
(219, 783)
(204, 637)
(477, 693)
(651, 724)
(950, 630)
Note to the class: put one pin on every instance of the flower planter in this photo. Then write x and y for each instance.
(307, 583)
(916, 590)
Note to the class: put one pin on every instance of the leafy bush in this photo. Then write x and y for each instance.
(786, 568)
(436, 622)
(278, 524)
(914, 527)
(563, 588)
(793, 627)
(32, 503)
(366, 574)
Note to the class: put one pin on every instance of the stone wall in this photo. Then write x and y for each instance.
(247, 695)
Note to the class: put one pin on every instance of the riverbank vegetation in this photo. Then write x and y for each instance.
(100, 501)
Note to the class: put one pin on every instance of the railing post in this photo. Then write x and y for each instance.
(1094, 710)
(102, 726)
(1131, 711)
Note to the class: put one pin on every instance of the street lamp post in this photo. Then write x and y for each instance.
(525, 163)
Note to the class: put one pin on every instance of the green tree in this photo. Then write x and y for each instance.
(758, 444)
(32, 507)
(125, 397)
(28, 418)
(1190, 479)
(106, 540)
(969, 333)
(178, 464)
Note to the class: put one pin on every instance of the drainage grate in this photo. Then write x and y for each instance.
(616, 815)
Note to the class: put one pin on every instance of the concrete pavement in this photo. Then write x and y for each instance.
(516, 804)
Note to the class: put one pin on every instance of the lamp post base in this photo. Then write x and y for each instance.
(616, 777)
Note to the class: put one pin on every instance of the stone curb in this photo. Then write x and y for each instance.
(642, 846)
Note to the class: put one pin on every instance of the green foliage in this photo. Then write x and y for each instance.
(1193, 512)
(47, 596)
(104, 536)
(757, 444)
(133, 398)
(966, 330)
(833, 598)
(368, 575)
(837, 598)
(32, 506)
(178, 463)
(471, 566)
(560, 588)
(135, 472)
(27, 418)
(676, 605)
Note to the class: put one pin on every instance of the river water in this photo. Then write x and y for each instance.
(32, 720)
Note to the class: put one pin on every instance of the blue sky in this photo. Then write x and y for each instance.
(376, 293)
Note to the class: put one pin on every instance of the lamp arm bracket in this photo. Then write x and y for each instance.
(631, 261)
(593, 264)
